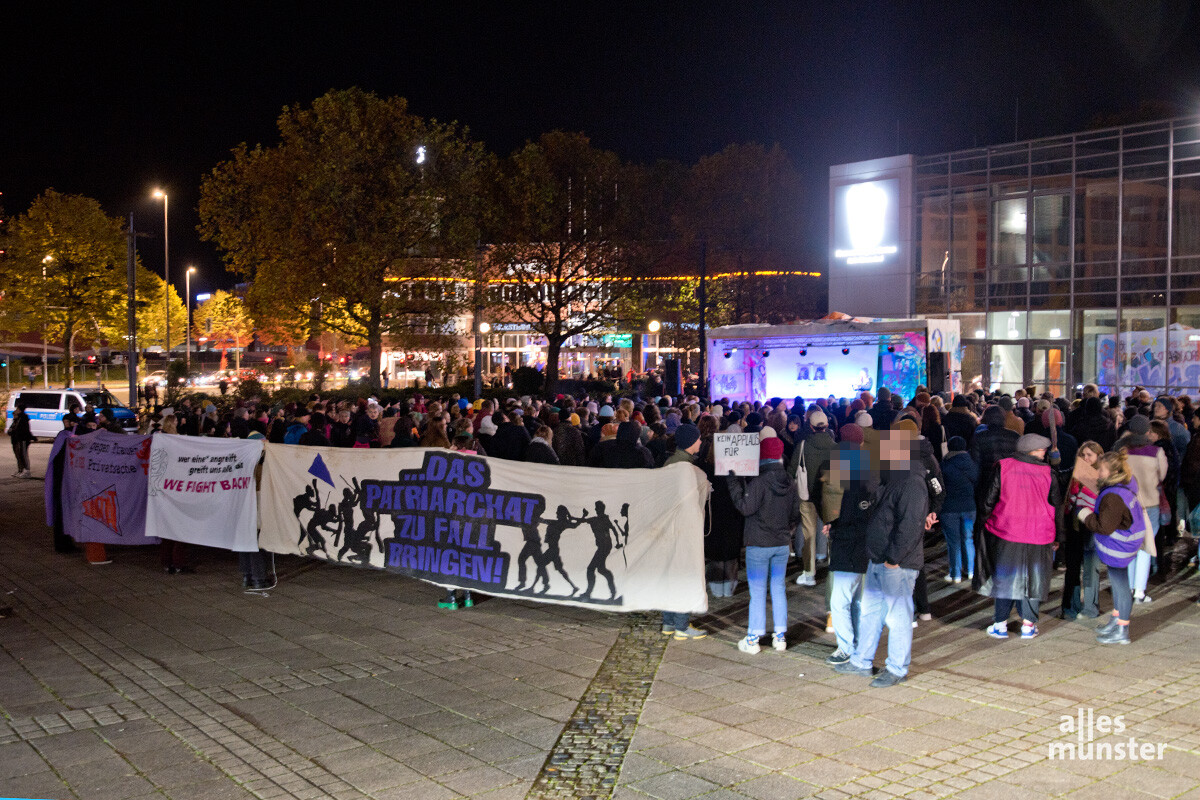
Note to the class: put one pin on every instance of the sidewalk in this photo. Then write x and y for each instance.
(122, 682)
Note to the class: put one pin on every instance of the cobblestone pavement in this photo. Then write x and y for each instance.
(122, 682)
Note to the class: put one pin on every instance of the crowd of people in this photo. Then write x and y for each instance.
(1018, 487)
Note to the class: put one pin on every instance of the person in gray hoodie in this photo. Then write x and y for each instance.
(771, 505)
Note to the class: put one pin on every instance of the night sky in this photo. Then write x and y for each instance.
(110, 100)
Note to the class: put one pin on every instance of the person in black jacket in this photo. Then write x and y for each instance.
(850, 469)
(895, 552)
(771, 504)
(624, 452)
(315, 435)
(959, 420)
(992, 443)
(1092, 424)
(20, 435)
(511, 439)
(540, 449)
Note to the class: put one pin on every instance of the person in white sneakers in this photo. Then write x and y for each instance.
(771, 506)
(20, 435)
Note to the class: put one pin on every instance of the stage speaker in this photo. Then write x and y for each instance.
(672, 376)
(939, 372)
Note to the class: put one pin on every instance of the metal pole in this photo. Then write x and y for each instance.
(475, 322)
(702, 296)
(167, 275)
(130, 314)
(187, 283)
(45, 359)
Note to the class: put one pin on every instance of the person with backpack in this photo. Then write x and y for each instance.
(850, 472)
(809, 458)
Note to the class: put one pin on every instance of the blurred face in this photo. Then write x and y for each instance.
(1089, 457)
(1103, 472)
(1160, 411)
(896, 450)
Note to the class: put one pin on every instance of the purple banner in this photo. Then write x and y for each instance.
(104, 488)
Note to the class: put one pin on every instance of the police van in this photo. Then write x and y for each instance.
(47, 407)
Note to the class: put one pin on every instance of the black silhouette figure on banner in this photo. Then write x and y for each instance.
(604, 532)
(323, 518)
(551, 555)
(531, 550)
(357, 538)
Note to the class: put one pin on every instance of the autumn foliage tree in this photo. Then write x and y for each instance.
(64, 270)
(224, 321)
(359, 218)
(566, 253)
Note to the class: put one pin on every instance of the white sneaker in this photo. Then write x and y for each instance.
(1142, 598)
(27, 474)
(779, 642)
(749, 645)
(948, 579)
(806, 579)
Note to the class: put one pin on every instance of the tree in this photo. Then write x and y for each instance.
(567, 260)
(224, 320)
(362, 217)
(150, 312)
(65, 270)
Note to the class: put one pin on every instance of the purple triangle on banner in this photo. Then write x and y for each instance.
(319, 470)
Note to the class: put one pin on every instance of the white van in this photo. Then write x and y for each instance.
(47, 407)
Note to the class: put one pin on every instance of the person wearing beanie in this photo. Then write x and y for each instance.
(961, 475)
(754, 422)
(1011, 420)
(960, 420)
(813, 451)
(568, 442)
(771, 506)
(687, 445)
(1016, 560)
(768, 432)
(1149, 465)
(624, 451)
(906, 424)
(852, 433)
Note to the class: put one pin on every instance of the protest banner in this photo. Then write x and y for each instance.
(736, 453)
(104, 488)
(201, 490)
(624, 540)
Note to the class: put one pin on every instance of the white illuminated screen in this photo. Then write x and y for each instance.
(867, 221)
(822, 371)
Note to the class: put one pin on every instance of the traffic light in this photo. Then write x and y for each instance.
(269, 359)
(3, 362)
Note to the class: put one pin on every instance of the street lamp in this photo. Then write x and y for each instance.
(188, 288)
(654, 327)
(45, 359)
(159, 194)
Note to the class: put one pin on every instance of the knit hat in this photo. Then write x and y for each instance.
(1032, 441)
(591, 407)
(754, 420)
(906, 424)
(767, 432)
(770, 448)
(686, 435)
(487, 427)
(851, 433)
(1023, 402)
(1005, 402)
(863, 419)
(1058, 417)
(957, 444)
(606, 412)
(1139, 424)
(573, 420)
(817, 419)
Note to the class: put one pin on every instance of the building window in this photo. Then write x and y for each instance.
(1049, 324)
(1006, 325)
(1052, 229)
(1142, 349)
(1010, 227)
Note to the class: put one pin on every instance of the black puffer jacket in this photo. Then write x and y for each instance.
(990, 445)
(848, 533)
(770, 503)
(624, 452)
(1093, 425)
(896, 532)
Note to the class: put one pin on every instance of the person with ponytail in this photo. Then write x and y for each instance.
(1120, 526)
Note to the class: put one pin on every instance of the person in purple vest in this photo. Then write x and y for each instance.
(1016, 556)
(1121, 528)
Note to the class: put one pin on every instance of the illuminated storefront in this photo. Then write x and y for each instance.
(1065, 260)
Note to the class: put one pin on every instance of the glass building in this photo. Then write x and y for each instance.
(1066, 260)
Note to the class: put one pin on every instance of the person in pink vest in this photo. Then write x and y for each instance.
(1016, 554)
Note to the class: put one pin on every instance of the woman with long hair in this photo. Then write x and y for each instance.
(1120, 526)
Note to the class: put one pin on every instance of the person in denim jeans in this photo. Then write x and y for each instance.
(895, 552)
(771, 504)
(961, 474)
(850, 470)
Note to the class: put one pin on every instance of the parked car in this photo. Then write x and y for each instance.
(47, 407)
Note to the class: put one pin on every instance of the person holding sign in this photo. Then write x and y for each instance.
(771, 506)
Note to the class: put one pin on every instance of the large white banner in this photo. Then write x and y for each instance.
(628, 540)
(201, 490)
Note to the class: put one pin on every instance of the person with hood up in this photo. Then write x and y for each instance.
(299, 426)
(1092, 424)
(623, 452)
(771, 506)
(1148, 464)
(961, 475)
(1016, 560)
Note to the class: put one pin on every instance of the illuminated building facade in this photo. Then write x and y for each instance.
(1066, 260)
